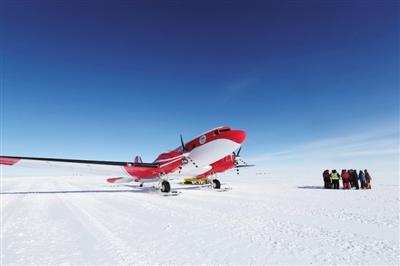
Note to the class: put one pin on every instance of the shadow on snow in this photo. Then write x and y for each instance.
(69, 191)
(311, 187)
(135, 189)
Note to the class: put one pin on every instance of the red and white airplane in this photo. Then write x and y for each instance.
(203, 157)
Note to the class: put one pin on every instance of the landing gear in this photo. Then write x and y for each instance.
(165, 186)
(216, 184)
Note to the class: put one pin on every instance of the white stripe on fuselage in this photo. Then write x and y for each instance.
(169, 159)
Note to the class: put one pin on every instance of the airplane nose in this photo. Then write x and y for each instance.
(237, 136)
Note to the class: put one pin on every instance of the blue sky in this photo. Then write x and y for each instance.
(109, 80)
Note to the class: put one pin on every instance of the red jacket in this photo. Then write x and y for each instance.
(345, 176)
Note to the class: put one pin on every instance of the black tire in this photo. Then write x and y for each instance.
(216, 184)
(165, 186)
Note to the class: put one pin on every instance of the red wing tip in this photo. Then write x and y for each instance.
(8, 161)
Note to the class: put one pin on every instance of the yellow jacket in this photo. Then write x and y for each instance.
(335, 176)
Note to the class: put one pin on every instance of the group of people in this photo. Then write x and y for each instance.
(349, 178)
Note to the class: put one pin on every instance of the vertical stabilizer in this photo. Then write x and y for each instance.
(138, 159)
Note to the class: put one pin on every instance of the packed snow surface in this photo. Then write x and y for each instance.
(81, 220)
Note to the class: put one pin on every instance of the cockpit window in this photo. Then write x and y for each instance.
(224, 130)
(216, 132)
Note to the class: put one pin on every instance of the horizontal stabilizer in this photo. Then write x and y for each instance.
(116, 180)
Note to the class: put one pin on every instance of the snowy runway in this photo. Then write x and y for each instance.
(82, 220)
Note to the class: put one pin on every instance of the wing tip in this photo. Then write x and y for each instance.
(8, 160)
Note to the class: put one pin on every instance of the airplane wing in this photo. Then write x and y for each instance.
(111, 168)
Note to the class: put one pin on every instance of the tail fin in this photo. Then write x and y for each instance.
(138, 159)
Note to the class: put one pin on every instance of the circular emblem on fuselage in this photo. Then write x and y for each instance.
(203, 139)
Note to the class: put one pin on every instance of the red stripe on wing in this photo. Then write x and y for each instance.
(8, 161)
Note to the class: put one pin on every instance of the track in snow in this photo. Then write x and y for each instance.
(81, 220)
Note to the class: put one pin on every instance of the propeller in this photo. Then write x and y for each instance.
(238, 160)
(186, 153)
(237, 153)
(184, 149)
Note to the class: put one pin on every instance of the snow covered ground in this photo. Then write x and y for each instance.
(81, 220)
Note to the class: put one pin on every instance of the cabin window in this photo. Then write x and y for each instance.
(216, 132)
(202, 139)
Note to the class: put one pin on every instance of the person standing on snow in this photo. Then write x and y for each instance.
(346, 179)
(335, 179)
(367, 179)
(361, 175)
(354, 178)
(327, 179)
(350, 171)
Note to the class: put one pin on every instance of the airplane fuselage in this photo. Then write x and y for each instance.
(204, 155)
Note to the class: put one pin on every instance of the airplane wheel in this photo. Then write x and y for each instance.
(165, 186)
(216, 184)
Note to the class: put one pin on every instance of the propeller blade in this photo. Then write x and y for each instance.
(238, 152)
(244, 165)
(183, 145)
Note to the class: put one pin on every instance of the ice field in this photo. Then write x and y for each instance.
(81, 220)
